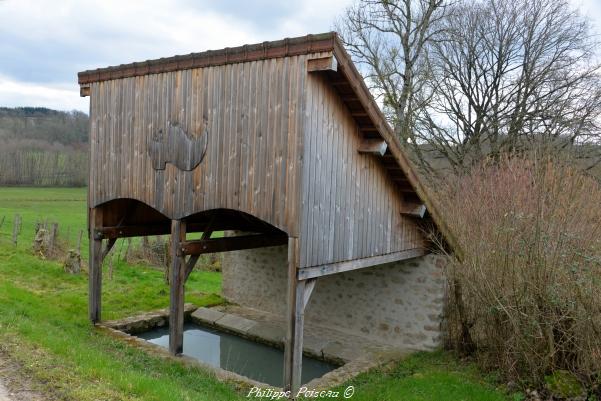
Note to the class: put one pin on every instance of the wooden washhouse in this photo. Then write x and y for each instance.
(281, 141)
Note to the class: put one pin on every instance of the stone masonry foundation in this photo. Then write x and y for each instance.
(399, 304)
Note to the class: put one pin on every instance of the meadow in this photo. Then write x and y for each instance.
(44, 326)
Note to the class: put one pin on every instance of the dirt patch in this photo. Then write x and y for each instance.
(15, 385)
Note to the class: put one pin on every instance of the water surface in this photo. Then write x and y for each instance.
(236, 354)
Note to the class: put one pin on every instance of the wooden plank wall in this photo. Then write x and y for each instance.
(253, 115)
(350, 209)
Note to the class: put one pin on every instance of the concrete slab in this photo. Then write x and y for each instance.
(235, 323)
(268, 332)
(207, 316)
(315, 345)
(336, 351)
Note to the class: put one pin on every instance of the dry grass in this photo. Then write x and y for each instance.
(526, 298)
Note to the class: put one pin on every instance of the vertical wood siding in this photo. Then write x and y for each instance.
(350, 208)
(270, 126)
(253, 115)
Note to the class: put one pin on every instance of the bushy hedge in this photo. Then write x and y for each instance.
(525, 298)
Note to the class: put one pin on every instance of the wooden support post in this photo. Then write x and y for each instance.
(298, 296)
(176, 283)
(95, 267)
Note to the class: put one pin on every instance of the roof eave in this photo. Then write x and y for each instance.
(259, 51)
(347, 67)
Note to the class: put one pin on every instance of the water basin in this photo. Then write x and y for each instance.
(230, 352)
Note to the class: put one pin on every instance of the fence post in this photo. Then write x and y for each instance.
(16, 228)
(53, 234)
(68, 237)
(79, 242)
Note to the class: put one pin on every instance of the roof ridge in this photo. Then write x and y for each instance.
(312, 43)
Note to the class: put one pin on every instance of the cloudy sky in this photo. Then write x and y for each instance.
(44, 43)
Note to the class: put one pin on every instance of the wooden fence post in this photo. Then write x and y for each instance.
(16, 228)
(68, 236)
(53, 235)
(79, 242)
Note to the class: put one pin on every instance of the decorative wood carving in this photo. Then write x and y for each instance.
(178, 148)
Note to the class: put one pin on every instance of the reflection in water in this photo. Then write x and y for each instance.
(236, 354)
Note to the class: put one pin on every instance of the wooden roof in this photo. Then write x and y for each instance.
(260, 51)
(345, 78)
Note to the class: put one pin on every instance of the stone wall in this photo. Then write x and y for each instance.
(398, 303)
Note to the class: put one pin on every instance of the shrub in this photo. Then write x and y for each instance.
(525, 297)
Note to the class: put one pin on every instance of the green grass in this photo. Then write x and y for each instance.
(66, 206)
(427, 376)
(43, 325)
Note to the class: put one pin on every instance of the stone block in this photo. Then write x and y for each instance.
(314, 345)
(207, 316)
(336, 351)
(235, 323)
(267, 332)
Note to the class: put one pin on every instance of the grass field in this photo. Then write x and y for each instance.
(44, 327)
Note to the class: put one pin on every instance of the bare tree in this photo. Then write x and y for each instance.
(510, 72)
(389, 39)
(468, 80)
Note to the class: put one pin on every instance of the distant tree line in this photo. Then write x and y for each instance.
(43, 147)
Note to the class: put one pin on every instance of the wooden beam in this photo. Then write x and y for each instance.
(373, 147)
(324, 270)
(309, 286)
(414, 210)
(398, 175)
(176, 289)
(190, 266)
(405, 189)
(109, 245)
(402, 182)
(293, 350)
(95, 267)
(198, 247)
(159, 229)
(142, 230)
(208, 231)
(131, 231)
(85, 90)
(328, 63)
